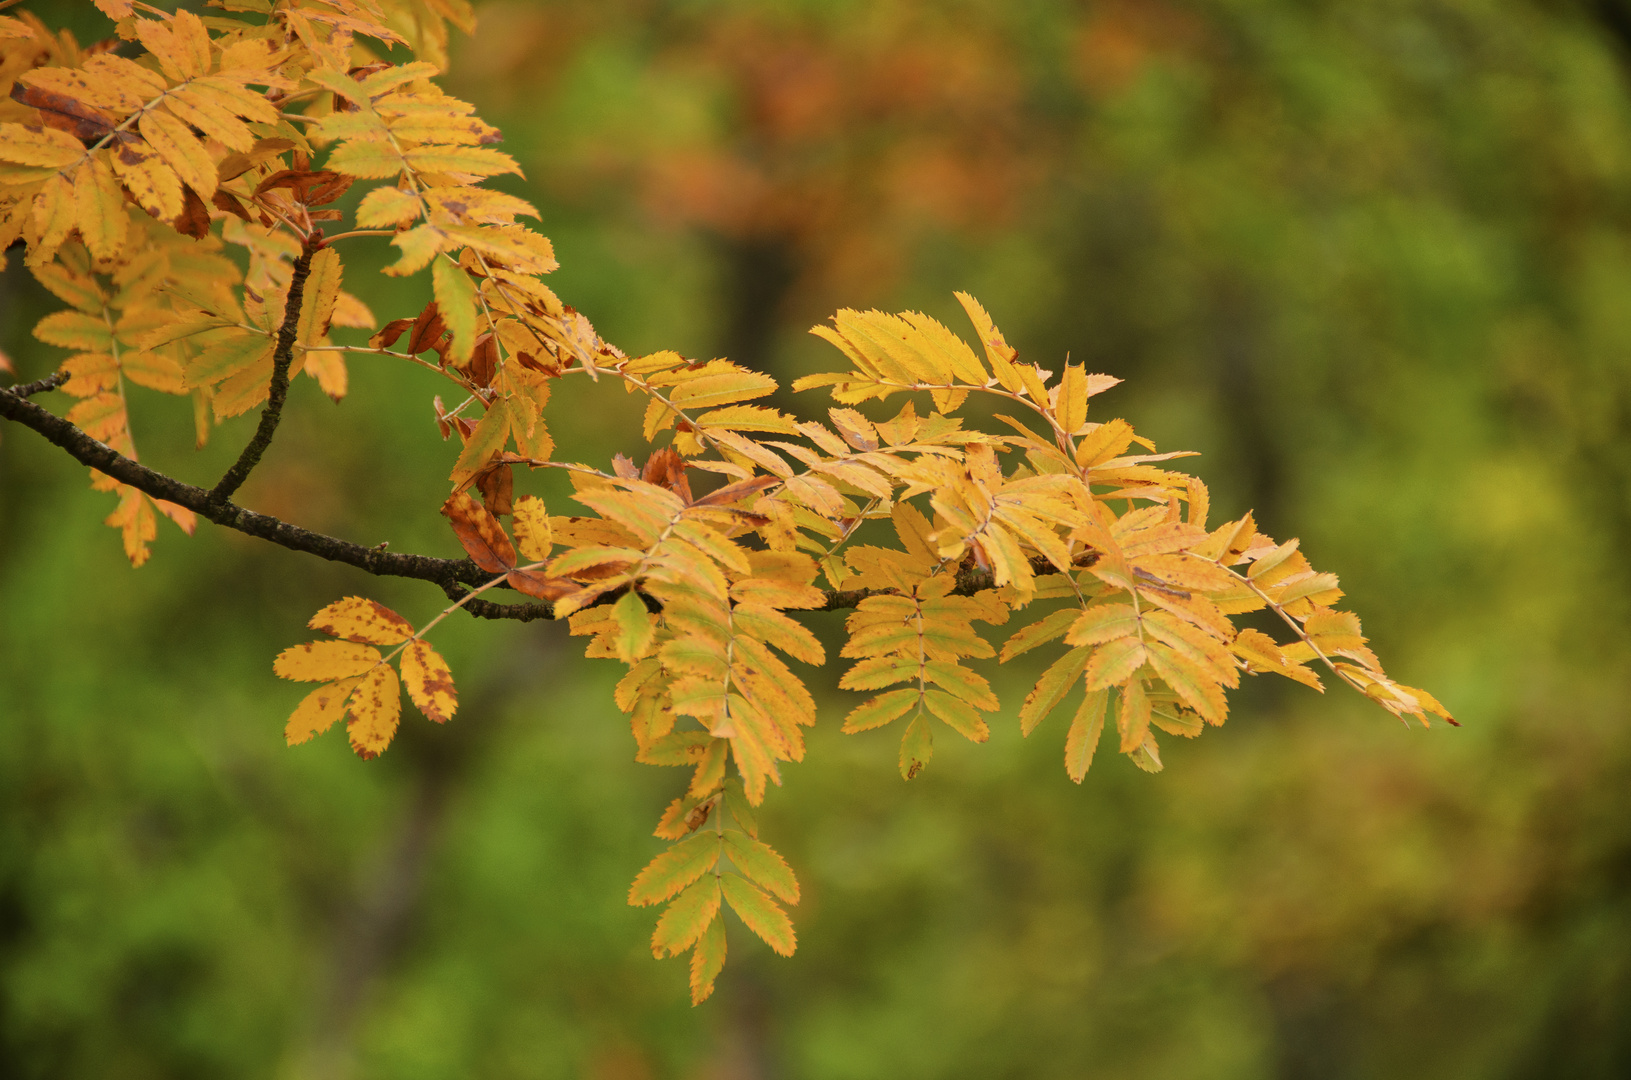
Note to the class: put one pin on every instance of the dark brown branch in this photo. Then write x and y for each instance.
(456, 577)
(282, 357)
(39, 386)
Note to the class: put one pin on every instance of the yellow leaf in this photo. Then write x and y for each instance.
(419, 246)
(1133, 716)
(99, 209)
(317, 301)
(181, 45)
(1051, 688)
(1072, 409)
(387, 207)
(362, 620)
(375, 707)
(366, 159)
(1114, 662)
(176, 144)
(52, 219)
(1085, 729)
(318, 712)
(150, 180)
(323, 661)
(429, 681)
(474, 160)
(533, 534)
(44, 147)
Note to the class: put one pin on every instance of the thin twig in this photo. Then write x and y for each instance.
(39, 386)
(282, 356)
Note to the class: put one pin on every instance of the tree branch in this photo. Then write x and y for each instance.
(454, 576)
(39, 386)
(278, 393)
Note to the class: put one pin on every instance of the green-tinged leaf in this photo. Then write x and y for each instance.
(228, 352)
(916, 747)
(958, 714)
(1085, 729)
(761, 914)
(684, 921)
(1051, 688)
(707, 961)
(881, 710)
(1103, 622)
(1133, 716)
(675, 869)
(635, 625)
(456, 301)
(484, 443)
(1114, 662)
(1040, 632)
(760, 863)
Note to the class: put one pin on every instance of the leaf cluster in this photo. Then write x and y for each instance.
(177, 204)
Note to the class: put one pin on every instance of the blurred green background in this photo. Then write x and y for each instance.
(1371, 258)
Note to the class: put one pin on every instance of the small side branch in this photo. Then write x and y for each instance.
(39, 386)
(282, 357)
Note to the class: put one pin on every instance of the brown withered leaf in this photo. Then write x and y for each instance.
(497, 487)
(736, 492)
(483, 360)
(64, 113)
(427, 329)
(310, 188)
(480, 533)
(386, 336)
(667, 468)
(195, 216)
(228, 203)
(543, 587)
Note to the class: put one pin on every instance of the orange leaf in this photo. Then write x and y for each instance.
(480, 533)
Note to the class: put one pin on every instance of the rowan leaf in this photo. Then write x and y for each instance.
(456, 300)
(916, 747)
(707, 961)
(675, 869)
(636, 627)
(358, 619)
(761, 914)
(429, 681)
(684, 920)
(1114, 662)
(533, 534)
(958, 714)
(323, 661)
(318, 711)
(880, 710)
(317, 302)
(760, 863)
(483, 537)
(1051, 688)
(1083, 738)
(375, 707)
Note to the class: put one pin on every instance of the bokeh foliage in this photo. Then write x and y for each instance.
(1371, 259)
